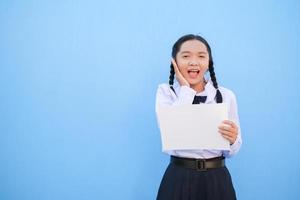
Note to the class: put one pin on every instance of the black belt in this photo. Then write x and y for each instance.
(199, 164)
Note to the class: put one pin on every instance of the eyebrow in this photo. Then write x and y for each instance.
(200, 52)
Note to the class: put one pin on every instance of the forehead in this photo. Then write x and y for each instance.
(193, 46)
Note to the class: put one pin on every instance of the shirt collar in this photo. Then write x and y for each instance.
(209, 91)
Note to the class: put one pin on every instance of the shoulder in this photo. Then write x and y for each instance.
(163, 87)
(228, 94)
(166, 89)
(230, 99)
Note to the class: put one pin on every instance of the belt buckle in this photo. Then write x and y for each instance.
(201, 165)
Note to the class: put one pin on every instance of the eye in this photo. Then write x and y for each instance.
(201, 56)
(185, 56)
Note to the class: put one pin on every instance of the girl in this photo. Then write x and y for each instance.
(198, 174)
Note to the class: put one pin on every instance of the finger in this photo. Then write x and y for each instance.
(228, 122)
(174, 62)
(175, 66)
(226, 128)
(179, 76)
(231, 135)
(228, 133)
(231, 123)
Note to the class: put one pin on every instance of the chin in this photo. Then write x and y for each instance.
(194, 82)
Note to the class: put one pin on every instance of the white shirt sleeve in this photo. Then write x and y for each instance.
(165, 96)
(233, 116)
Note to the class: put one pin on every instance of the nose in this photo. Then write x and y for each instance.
(193, 63)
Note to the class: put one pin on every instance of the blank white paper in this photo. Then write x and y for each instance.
(193, 126)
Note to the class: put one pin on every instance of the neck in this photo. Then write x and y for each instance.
(199, 87)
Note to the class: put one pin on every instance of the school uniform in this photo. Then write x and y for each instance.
(184, 178)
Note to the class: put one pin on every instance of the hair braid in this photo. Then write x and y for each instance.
(171, 77)
(218, 97)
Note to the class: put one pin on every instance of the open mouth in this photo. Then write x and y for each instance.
(193, 72)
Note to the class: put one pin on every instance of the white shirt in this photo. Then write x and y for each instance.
(185, 95)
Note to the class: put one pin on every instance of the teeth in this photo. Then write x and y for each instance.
(193, 70)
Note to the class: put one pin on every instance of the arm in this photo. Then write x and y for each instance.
(165, 96)
(233, 117)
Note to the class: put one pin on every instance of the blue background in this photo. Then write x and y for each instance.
(78, 82)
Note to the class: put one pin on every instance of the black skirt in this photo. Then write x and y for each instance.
(180, 183)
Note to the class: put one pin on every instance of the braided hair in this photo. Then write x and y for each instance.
(176, 48)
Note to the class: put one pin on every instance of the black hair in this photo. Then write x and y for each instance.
(176, 48)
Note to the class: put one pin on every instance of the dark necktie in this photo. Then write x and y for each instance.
(199, 99)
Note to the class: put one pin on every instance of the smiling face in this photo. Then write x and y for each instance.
(193, 61)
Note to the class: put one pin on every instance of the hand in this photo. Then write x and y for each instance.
(182, 81)
(229, 130)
